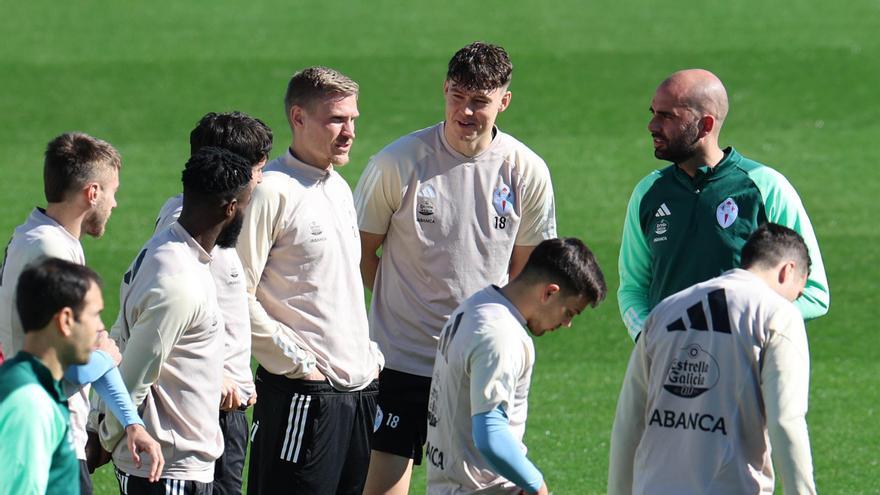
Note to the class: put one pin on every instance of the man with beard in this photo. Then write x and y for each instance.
(80, 179)
(688, 222)
(170, 330)
(251, 139)
(301, 251)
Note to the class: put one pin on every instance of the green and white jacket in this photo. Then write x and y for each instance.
(680, 231)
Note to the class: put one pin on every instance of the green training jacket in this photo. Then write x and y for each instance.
(36, 454)
(680, 231)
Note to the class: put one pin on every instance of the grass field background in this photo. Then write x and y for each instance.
(802, 77)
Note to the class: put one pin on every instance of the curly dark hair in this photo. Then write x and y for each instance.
(480, 66)
(215, 172)
(235, 131)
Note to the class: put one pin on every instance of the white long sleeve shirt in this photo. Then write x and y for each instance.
(719, 376)
(170, 332)
(300, 248)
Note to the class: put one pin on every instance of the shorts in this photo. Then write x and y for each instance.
(135, 485)
(401, 426)
(308, 437)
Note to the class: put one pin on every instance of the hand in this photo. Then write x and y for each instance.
(106, 344)
(252, 400)
(229, 395)
(139, 441)
(96, 456)
(315, 375)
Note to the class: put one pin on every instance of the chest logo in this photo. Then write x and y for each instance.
(426, 204)
(661, 228)
(663, 211)
(502, 199)
(726, 213)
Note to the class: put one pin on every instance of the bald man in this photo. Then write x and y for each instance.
(688, 222)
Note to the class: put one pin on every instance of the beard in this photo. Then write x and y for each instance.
(95, 223)
(682, 148)
(228, 237)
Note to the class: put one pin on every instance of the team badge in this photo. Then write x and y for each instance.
(425, 204)
(661, 228)
(378, 421)
(726, 213)
(693, 372)
(502, 199)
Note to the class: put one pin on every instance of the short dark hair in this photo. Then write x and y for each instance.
(569, 263)
(772, 244)
(74, 159)
(480, 66)
(314, 83)
(49, 285)
(235, 131)
(215, 173)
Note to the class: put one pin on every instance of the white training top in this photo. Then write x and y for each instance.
(450, 224)
(170, 332)
(40, 237)
(300, 249)
(232, 298)
(719, 375)
(484, 360)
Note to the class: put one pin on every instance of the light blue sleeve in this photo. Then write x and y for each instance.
(102, 373)
(112, 390)
(99, 364)
(492, 437)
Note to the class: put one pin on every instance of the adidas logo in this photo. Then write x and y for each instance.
(663, 211)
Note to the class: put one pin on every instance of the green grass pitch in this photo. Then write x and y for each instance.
(802, 77)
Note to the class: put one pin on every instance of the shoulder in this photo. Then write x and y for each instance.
(761, 174)
(404, 152)
(521, 155)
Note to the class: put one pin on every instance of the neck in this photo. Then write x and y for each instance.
(68, 216)
(469, 148)
(35, 343)
(204, 235)
(300, 154)
(520, 295)
(709, 156)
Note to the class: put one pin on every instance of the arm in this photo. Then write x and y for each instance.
(785, 383)
(101, 371)
(493, 439)
(163, 313)
(376, 197)
(629, 422)
(784, 206)
(31, 428)
(538, 221)
(268, 336)
(634, 266)
(369, 258)
(518, 259)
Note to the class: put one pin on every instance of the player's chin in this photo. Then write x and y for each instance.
(340, 159)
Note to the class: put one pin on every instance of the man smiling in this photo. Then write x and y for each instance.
(454, 207)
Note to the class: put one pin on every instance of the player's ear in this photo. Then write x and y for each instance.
(707, 124)
(231, 208)
(92, 189)
(505, 100)
(549, 291)
(296, 116)
(64, 321)
(786, 272)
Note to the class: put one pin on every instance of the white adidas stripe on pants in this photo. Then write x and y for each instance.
(296, 426)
